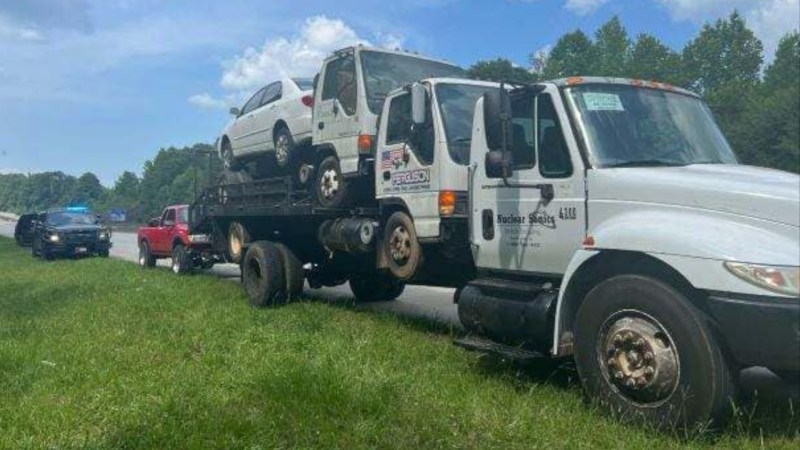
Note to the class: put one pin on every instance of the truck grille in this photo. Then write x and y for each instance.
(84, 237)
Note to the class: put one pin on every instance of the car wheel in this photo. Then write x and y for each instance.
(238, 238)
(146, 258)
(284, 147)
(330, 187)
(401, 248)
(293, 270)
(228, 160)
(376, 287)
(262, 275)
(645, 354)
(181, 260)
(103, 253)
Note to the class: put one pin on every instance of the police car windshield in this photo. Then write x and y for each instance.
(384, 72)
(62, 218)
(629, 126)
(457, 105)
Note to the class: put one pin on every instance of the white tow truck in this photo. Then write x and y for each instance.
(601, 219)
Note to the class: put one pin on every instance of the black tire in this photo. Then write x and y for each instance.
(103, 253)
(262, 275)
(181, 260)
(284, 147)
(293, 270)
(34, 253)
(238, 237)
(401, 247)
(146, 258)
(229, 162)
(645, 354)
(376, 287)
(329, 187)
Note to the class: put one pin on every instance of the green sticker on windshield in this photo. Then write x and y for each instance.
(602, 101)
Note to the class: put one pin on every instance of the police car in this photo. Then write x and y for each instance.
(73, 231)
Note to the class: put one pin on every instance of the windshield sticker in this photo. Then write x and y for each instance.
(602, 101)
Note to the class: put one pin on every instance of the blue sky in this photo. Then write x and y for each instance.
(101, 85)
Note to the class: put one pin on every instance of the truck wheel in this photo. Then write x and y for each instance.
(645, 354)
(284, 147)
(376, 287)
(401, 247)
(238, 237)
(181, 261)
(228, 160)
(263, 276)
(103, 253)
(330, 188)
(293, 270)
(146, 259)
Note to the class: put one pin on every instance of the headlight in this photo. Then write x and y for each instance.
(780, 279)
(103, 236)
(54, 238)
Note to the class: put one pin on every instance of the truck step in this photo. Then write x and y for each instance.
(507, 288)
(508, 352)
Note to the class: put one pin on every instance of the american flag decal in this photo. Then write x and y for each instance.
(392, 159)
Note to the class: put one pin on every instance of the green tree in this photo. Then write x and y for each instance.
(572, 55)
(784, 72)
(87, 189)
(610, 50)
(651, 60)
(500, 69)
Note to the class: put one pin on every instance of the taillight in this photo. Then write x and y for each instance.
(447, 203)
(365, 143)
(308, 100)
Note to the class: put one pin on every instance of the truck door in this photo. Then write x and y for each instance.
(335, 119)
(405, 164)
(161, 235)
(515, 229)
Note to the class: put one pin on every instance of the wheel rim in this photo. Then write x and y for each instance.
(236, 245)
(282, 149)
(639, 357)
(142, 258)
(400, 245)
(329, 184)
(176, 264)
(227, 157)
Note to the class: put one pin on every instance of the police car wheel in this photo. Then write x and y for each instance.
(400, 246)
(103, 253)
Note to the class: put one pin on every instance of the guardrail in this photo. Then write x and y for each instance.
(10, 217)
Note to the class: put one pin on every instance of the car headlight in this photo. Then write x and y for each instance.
(780, 279)
(103, 236)
(54, 238)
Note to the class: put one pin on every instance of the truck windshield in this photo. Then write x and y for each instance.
(384, 72)
(636, 127)
(62, 218)
(457, 106)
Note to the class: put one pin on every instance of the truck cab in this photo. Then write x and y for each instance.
(610, 221)
(349, 94)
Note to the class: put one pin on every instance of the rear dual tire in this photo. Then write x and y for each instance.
(271, 274)
(376, 287)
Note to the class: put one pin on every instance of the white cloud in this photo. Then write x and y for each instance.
(205, 100)
(584, 7)
(15, 32)
(300, 55)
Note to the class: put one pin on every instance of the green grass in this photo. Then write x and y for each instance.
(98, 353)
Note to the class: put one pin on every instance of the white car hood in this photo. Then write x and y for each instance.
(755, 192)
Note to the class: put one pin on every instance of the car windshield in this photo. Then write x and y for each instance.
(457, 106)
(384, 72)
(62, 218)
(305, 84)
(633, 126)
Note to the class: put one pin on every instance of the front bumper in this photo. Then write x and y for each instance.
(759, 330)
(70, 248)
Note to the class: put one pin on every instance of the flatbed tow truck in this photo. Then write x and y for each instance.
(601, 219)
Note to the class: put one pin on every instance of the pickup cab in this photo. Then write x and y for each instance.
(168, 236)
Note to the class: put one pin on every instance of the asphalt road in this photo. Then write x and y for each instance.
(437, 304)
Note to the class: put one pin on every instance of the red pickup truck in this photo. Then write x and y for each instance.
(168, 237)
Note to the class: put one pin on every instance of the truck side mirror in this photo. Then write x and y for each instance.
(497, 119)
(418, 101)
(234, 111)
(498, 164)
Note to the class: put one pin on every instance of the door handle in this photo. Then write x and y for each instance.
(487, 223)
(321, 125)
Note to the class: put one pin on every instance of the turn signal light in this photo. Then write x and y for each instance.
(447, 203)
(365, 143)
(307, 100)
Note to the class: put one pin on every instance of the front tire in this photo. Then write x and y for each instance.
(376, 287)
(645, 354)
(283, 143)
(401, 247)
(228, 160)
(330, 187)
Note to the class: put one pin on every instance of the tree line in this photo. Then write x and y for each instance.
(757, 106)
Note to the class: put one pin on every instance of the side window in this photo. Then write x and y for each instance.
(523, 130)
(554, 160)
(340, 83)
(399, 119)
(169, 215)
(273, 92)
(254, 102)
